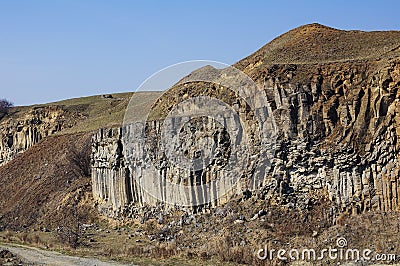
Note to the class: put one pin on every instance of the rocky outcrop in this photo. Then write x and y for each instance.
(19, 133)
(348, 133)
(123, 181)
(338, 130)
(338, 133)
(109, 174)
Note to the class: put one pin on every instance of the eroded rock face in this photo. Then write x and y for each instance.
(109, 174)
(339, 132)
(123, 180)
(20, 133)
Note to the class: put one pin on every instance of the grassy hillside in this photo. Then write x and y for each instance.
(87, 114)
(100, 111)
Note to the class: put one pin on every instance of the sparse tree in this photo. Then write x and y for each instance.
(79, 158)
(70, 230)
(5, 106)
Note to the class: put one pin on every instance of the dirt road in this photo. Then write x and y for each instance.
(35, 256)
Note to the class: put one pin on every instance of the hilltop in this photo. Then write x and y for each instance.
(317, 44)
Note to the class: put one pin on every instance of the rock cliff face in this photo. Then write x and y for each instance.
(20, 133)
(109, 174)
(340, 132)
(338, 124)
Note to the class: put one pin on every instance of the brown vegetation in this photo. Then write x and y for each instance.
(40, 182)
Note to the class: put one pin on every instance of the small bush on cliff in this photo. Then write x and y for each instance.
(79, 158)
(5, 106)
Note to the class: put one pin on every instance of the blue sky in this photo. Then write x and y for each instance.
(52, 50)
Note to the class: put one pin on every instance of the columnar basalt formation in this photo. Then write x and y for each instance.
(341, 138)
(120, 184)
(108, 171)
(337, 118)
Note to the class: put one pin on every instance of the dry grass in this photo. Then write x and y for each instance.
(100, 112)
(316, 43)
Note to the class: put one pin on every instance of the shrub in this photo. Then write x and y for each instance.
(79, 157)
(5, 106)
(70, 231)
